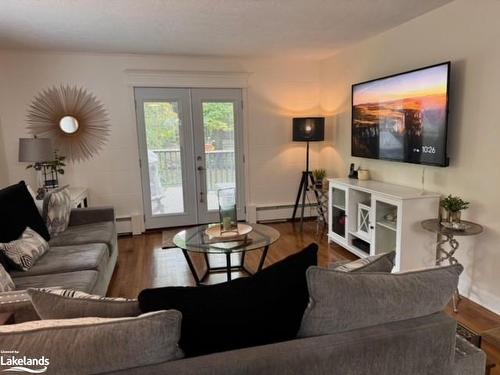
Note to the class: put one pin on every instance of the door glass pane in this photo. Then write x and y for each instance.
(164, 157)
(218, 126)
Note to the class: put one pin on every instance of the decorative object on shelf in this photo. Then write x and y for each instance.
(51, 170)
(353, 173)
(39, 151)
(455, 225)
(363, 174)
(319, 177)
(453, 206)
(228, 218)
(391, 216)
(447, 236)
(73, 118)
(306, 129)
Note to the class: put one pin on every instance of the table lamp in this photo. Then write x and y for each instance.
(306, 129)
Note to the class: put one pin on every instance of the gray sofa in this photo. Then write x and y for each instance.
(83, 257)
(422, 346)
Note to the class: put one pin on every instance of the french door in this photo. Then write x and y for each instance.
(191, 145)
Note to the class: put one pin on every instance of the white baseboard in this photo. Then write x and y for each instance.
(482, 297)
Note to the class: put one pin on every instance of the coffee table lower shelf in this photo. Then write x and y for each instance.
(228, 268)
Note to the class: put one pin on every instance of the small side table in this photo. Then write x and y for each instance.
(447, 236)
(6, 318)
(79, 197)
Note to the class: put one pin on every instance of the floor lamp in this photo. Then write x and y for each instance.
(306, 129)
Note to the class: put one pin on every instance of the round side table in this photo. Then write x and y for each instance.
(447, 236)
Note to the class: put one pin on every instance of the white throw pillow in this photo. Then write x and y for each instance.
(24, 251)
(6, 283)
(56, 210)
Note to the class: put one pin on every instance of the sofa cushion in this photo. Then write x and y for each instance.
(68, 303)
(18, 211)
(341, 301)
(25, 251)
(6, 283)
(250, 311)
(102, 232)
(373, 263)
(93, 256)
(56, 210)
(79, 280)
(96, 345)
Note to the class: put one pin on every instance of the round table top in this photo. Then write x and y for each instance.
(194, 239)
(434, 225)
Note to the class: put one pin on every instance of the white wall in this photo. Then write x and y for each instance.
(278, 89)
(467, 33)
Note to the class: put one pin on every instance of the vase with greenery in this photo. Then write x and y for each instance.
(453, 207)
(319, 175)
(51, 171)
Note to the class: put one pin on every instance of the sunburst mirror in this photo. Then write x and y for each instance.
(75, 119)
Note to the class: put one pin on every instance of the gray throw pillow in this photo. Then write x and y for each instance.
(57, 210)
(57, 303)
(95, 345)
(374, 263)
(24, 251)
(6, 283)
(341, 301)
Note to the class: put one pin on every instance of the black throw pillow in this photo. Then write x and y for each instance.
(18, 211)
(257, 310)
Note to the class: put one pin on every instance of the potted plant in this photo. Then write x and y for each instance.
(51, 171)
(453, 207)
(319, 175)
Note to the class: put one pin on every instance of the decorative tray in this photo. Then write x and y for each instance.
(455, 226)
(214, 233)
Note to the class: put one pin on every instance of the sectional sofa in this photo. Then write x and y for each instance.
(83, 257)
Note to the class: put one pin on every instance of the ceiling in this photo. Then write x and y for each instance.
(312, 28)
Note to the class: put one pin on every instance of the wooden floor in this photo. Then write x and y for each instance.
(143, 264)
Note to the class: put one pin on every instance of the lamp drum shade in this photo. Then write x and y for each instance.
(308, 129)
(35, 150)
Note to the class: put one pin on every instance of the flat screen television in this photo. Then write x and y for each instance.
(403, 117)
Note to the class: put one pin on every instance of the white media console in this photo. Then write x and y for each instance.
(372, 217)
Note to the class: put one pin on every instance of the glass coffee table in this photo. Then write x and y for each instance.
(196, 241)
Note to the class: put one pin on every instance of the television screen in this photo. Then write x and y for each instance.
(402, 117)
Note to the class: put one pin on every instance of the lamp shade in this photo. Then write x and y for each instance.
(308, 129)
(35, 150)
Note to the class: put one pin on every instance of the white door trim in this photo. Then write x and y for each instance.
(182, 97)
(234, 96)
(134, 78)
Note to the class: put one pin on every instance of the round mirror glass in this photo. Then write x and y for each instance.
(68, 124)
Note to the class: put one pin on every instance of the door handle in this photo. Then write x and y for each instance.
(200, 171)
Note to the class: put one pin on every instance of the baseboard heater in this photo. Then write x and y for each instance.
(283, 212)
(130, 224)
(134, 224)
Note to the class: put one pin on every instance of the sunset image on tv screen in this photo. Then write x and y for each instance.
(402, 117)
